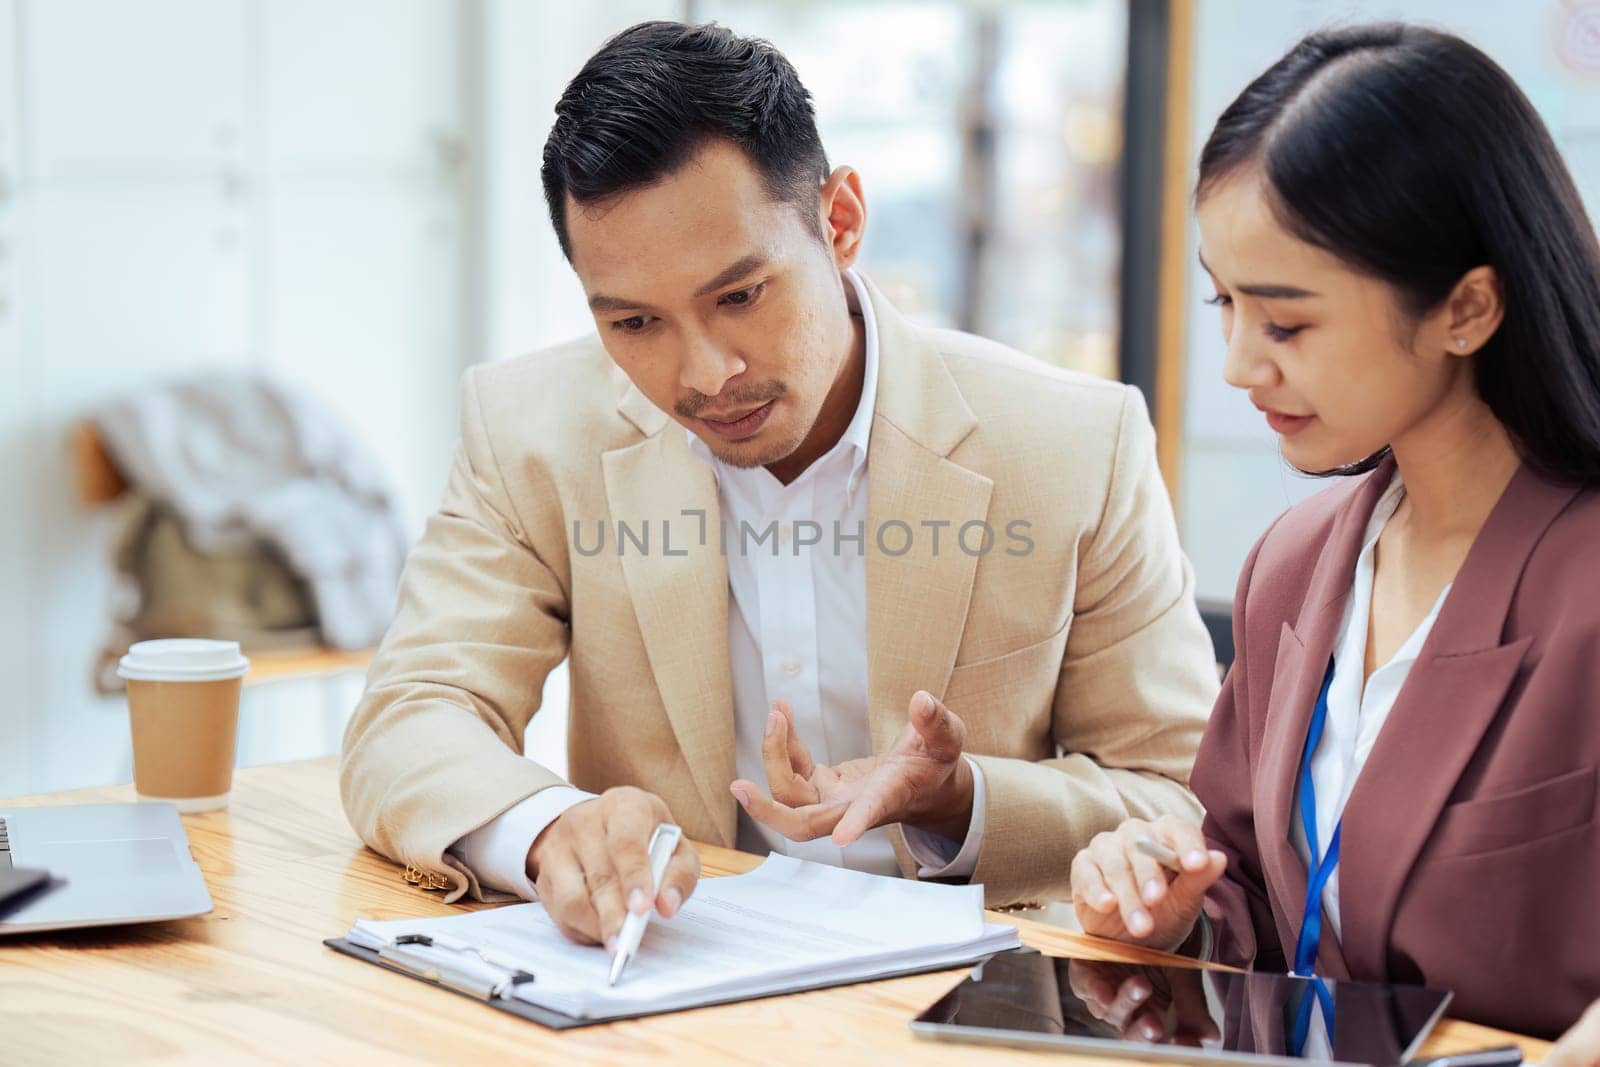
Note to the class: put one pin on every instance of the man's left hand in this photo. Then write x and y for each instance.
(922, 781)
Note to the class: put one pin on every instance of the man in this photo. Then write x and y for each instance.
(828, 583)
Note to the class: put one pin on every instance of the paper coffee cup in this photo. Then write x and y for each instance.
(183, 710)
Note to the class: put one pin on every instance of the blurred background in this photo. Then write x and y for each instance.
(337, 204)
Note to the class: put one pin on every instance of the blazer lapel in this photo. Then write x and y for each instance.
(1450, 698)
(679, 589)
(916, 600)
(1302, 663)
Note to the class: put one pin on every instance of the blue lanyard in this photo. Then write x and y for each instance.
(1322, 866)
(1302, 1022)
(1321, 869)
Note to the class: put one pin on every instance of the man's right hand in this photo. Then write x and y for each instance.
(592, 865)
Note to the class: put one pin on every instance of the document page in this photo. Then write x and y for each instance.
(788, 924)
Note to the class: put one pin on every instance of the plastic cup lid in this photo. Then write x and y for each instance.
(183, 660)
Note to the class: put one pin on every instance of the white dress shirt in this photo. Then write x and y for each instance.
(797, 626)
(1355, 716)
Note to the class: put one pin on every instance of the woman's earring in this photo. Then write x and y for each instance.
(1461, 342)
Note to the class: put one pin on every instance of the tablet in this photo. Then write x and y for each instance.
(1181, 1014)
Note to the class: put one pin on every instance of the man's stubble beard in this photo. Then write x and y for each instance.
(748, 458)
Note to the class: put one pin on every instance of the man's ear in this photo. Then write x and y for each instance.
(843, 215)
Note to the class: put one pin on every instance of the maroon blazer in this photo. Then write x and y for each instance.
(1470, 854)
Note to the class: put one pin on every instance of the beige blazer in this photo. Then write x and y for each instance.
(1080, 666)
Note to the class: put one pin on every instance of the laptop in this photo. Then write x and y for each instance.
(113, 863)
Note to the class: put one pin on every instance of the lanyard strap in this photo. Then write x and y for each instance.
(1322, 866)
(1302, 1022)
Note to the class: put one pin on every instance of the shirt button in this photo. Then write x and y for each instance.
(783, 535)
(791, 666)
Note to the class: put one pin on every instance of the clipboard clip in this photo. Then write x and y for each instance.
(466, 969)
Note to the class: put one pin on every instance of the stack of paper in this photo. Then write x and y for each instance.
(788, 925)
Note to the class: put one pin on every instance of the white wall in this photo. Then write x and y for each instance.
(207, 184)
(1234, 483)
(14, 727)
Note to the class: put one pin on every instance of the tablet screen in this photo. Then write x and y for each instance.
(1182, 1013)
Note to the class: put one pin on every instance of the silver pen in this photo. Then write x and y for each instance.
(1160, 853)
(663, 843)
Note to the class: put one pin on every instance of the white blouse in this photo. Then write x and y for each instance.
(1355, 717)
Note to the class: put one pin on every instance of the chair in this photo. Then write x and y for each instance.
(99, 482)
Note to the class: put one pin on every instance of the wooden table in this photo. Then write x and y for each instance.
(252, 982)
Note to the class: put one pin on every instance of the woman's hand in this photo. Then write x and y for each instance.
(1121, 893)
(1580, 1046)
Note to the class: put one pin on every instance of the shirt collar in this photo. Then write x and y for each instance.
(859, 432)
(1353, 643)
(1382, 512)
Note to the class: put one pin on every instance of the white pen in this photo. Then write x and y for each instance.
(663, 843)
(1160, 853)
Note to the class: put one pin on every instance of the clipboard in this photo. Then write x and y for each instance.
(509, 1005)
(430, 974)
(916, 929)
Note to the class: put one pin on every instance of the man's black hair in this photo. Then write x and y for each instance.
(658, 92)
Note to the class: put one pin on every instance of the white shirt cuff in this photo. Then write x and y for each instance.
(497, 851)
(938, 856)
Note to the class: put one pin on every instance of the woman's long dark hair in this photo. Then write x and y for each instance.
(1411, 156)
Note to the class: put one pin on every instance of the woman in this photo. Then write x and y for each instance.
(1410, 734)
